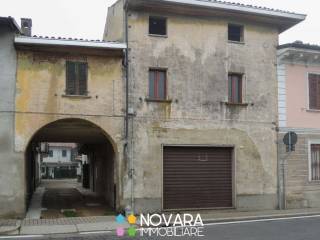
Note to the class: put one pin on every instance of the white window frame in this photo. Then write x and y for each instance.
(311, 142)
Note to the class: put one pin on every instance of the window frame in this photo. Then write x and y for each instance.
(230, 101)
(77, 78)
(50, 153)
(310, 143)
(242, 39)
(62, 153)
(165, 70)
(166, 26)
(308, 91)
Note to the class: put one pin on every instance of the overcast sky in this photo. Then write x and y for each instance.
(86, 18)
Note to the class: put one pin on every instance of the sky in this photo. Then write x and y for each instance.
(86, 18)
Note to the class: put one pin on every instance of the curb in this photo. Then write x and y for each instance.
(10, 231)
(262, 217)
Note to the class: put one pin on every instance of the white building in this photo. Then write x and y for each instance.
(59, 163)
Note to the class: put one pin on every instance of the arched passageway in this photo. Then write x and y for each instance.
(72, 161)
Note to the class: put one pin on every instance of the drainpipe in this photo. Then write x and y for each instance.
(128, 157)
(281, 175)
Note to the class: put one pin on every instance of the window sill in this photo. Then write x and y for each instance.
(314, 182)
(236, 42)
(158, 100)
(236, 104)
(158, 35)
(313, 110)
(76, 96)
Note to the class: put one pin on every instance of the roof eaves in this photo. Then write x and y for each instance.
(238, 7)
(69, 42)
(12, 23)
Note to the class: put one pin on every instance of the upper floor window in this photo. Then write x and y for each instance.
(235, 88)
(50, 153)
(77, 76)
(157, 84)
(64, 153)
(314, 91)
(157, 25)
(235, 33)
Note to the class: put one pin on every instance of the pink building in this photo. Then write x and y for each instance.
(299, 111)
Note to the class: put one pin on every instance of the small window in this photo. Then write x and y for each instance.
(314, 91)
(315, 162)
(64, 153)
(50, 153)
(235, 33)
(158, 26)
(235, 88)
(76, 82)
(157, 84)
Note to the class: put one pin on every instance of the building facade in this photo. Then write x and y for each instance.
(63, 90)
(11, 167)
(176, 109)
(202, 102)
(60, 161)
(299, 99)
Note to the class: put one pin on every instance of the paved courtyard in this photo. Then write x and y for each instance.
(66, 198)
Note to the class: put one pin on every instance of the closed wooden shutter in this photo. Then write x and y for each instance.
(71, 78)
(77, 75)
(235, 88)
(314, 91)
(83, 73)
(197, 177)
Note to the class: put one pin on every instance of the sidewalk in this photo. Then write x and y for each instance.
(237, 215)
(108, 223)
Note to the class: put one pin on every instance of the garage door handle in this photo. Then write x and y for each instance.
(203, 159)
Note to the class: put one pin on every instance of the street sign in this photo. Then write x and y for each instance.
(290, 140)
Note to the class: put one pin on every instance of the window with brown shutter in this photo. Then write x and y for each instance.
(157, 84)
(235, 88)
(314, 91)
(77, 78)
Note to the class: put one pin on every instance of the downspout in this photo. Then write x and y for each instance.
(279, 173)
(129, 158)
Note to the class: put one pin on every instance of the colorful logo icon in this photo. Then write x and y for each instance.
(131, 219)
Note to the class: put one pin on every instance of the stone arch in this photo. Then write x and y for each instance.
(87, 133)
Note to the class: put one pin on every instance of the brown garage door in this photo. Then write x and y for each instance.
(197, 177)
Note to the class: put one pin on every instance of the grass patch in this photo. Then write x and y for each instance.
(69, 214)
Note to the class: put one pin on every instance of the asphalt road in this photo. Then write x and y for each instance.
(306, 228)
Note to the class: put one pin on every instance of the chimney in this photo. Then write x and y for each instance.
(26, 26)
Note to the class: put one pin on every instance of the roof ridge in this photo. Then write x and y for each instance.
(67, 39)
(301, 45)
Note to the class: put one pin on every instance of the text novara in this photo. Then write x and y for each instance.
(172, 225)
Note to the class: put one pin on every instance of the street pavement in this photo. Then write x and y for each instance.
(292, 228)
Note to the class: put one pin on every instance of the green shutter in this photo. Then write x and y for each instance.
(313, 91)
(82, 78)
(71, 78)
